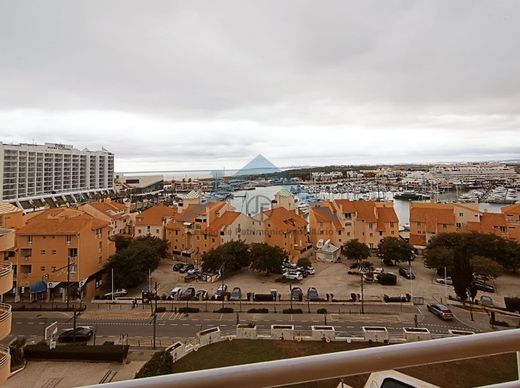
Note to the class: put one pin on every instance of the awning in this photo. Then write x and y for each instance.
(37, 287)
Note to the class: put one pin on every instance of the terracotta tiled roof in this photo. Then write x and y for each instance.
(418, 239)
(387, 214)
(365, 210)
(61, 221)
(511, 209)
(225, 220)
(7, 208)
(432, 214)
(324, 214)
(283, 219)
(155, 215)
(489, 221)
(110, 209)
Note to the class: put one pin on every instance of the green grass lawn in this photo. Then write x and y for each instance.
(467, 373)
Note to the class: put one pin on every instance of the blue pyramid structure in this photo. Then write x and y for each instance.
(259, 165)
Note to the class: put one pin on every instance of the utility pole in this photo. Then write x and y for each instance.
(362, 296)
(112, 285)
(68, 281)
(155, 317)
(290, 293)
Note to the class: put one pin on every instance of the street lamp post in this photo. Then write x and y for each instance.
(362, 295)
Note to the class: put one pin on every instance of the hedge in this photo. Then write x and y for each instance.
(187, 310)
(161, 363)
(387, 279)
(224, 310)
(258, 311)
(512, 304)
(322, 311)
(105, 352)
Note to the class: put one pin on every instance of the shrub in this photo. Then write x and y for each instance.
(512, 304)
(224, 310)
(263, 297)
(105, 352)
(387, 279)
(258, 311)
(353, 296)
(322, 311)
(293, 311)
(187, 310)
(161, 363)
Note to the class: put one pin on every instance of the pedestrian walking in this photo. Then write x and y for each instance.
(415, 320)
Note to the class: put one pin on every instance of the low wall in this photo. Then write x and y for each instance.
(416, 334)
(327, 333)
(246, 331)
(209, 336)
(375, 334)
(285, 332)
(177, 350)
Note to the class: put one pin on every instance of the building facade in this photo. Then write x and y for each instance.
(59, 250)
(32, 175)
(343, 220)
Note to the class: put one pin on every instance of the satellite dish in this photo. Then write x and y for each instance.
(319, 244)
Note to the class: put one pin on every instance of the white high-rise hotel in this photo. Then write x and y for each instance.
(41, 172)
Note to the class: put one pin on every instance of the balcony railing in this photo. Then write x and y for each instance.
(7, 237)
(337, 365)
(5, 320)
(6, 278)
(5, 363)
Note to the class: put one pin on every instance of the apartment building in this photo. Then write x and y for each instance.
(117, 214)
(342, 220)
(235, 226)
(429, 219)
(33, 176)
(152, 221)
(285, 229)
(61, 249)
(188, 232)
(9, 218)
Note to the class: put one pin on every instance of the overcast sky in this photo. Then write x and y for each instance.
(169, 85)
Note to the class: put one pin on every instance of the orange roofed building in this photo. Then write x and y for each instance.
(152, 221)
(188, 232)
(285, 229)
(61, 245)
(428, 219)
(343, 220)
(117, 214)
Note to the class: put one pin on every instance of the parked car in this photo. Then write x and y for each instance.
(186, 267)
(293, 275)
(378, 271)
(201, 295)
(312, 294)
(220, 291)
(80, 334)
(188, 294)
(288, 265)
(486, 301)
(117, 293)
(441, 311)
(190, 277)
(177, 266)
(447, 281)
(310, 270)
(405, 272)
(236, 294)
(297, 294)
(193, 271)
(483, 286)
(176, 292)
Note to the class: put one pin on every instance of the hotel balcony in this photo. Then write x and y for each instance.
(5, 363)
(6, 278)
(6, 239)
(5, 320)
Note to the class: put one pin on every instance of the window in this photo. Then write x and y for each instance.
(42, 252)
(53, 269)
(391, 224)
(26, 252)
(29, 239)
(381, 232)
(348, 223)
(339, 233)
(459, 225)
(348, 216)
(156, 230)
(461, 214)
(54, 251)
(444, 226)
(42, 268)
(370, 226)
(68, 239)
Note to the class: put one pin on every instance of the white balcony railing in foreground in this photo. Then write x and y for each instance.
(336, 365)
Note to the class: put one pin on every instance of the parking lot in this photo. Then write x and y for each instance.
(333, 279)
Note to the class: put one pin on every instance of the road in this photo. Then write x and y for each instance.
(137, 324)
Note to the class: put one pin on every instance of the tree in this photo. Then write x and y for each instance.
(122, 242)
(231, 256)
(132, 264)
(394, 250)
(304, 262)
(468, 253)
(356, 250)
(267, 258)
(486, 267)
